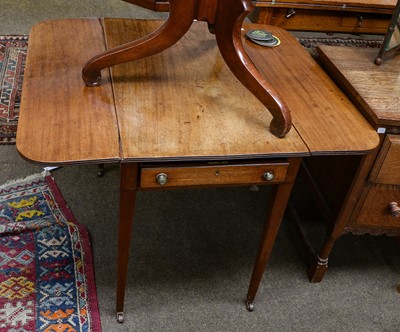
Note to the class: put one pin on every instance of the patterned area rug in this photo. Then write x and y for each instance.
(46, 268)
(12, 62)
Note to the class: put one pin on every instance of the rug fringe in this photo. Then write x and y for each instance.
(28, 178)
(15, 37)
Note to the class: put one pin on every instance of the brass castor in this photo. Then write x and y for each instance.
(250, 306)
(120, 317)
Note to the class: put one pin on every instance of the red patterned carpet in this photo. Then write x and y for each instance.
(46, 268)
(12, 62)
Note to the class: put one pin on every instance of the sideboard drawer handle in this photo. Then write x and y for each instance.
(268, 176)
(162, 179)
(290, 12)
(394, 209)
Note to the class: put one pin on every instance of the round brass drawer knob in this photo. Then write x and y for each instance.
(394, 209)
(268, 176)
(162, 179)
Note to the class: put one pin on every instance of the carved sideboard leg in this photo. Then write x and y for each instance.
(337, 229)
(318, 269)
(227, 29)
(181, 15)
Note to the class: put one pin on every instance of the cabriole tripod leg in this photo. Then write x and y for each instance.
(227, 28)
(180, 18)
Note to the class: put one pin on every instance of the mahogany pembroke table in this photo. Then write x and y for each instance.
(180, 118)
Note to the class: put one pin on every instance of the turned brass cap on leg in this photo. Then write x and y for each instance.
(394, 209)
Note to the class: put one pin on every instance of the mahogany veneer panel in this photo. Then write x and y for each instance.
(325, 118)
(181, 104)
(184, 103)
(214, 175)
(59, 114)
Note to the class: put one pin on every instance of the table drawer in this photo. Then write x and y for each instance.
(221, 174)
(387, 166)
(376, 211)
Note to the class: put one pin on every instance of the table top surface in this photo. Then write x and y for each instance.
(181, 104)
(376, 89)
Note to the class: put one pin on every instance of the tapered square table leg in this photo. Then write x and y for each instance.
(128, 190)
(271, 228)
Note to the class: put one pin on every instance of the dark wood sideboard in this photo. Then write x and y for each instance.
(349, 16)
(359, 194)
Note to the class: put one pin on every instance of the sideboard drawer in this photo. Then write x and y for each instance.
(365, 21)
(376, 210)
(387, 166)
(204, 175)
(312, 19)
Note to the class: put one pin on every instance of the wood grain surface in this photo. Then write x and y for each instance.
(162, 5)
(343, 4)
(325, 118)
(181, 104)
(387, 166)
(185, 104)
(375, 89)
(214, 175)
(61, 120)
(375, 212)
